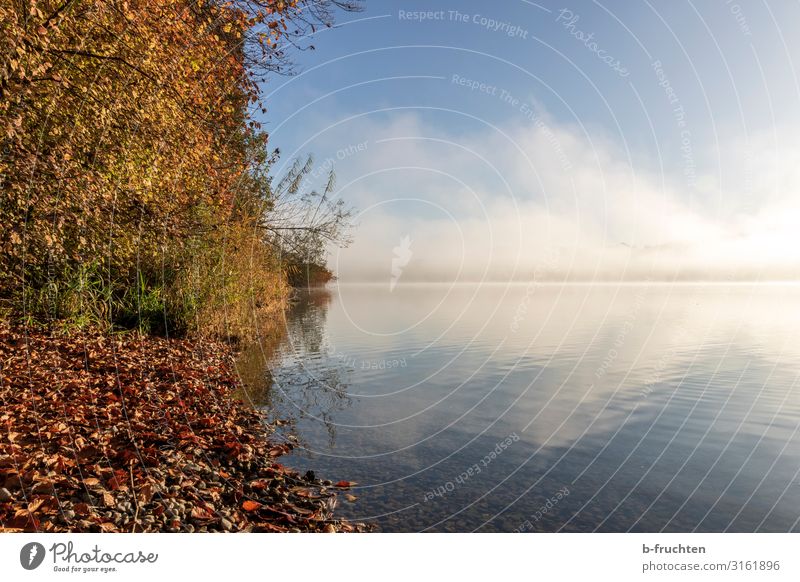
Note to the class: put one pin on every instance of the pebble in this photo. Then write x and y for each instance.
(226, 525)
(5, 494)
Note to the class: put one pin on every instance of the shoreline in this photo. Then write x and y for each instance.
(132, 433)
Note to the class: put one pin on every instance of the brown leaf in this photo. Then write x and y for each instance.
(119, 480)
(145, 493)
(306, 493)
(201, 513)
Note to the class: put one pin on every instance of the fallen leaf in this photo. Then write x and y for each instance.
(201, 513)
(67, 389)
(145, 493)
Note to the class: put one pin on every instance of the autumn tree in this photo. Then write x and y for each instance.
(128, 153)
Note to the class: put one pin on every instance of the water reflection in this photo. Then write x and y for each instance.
(276, 371)
(656, 407)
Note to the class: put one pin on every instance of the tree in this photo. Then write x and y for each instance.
(125, 137)
(303, 221)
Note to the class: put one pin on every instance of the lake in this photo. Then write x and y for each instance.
(543, 407)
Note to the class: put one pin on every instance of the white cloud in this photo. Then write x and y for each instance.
(497, 203)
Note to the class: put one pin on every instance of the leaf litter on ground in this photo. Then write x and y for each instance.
(130, 433)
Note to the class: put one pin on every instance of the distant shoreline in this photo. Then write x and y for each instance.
(570, 283)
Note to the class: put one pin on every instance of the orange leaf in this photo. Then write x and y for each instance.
(201, 513)
(251, 505)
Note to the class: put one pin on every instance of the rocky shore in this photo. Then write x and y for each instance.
(128, 433)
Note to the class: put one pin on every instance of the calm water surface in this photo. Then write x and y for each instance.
(547, 408)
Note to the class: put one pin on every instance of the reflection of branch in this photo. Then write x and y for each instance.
(318, 392)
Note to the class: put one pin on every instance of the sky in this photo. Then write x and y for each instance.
(580, 140)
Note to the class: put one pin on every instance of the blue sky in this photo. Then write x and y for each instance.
(581, 139)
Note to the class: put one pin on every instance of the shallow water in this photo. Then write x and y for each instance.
(547, 407)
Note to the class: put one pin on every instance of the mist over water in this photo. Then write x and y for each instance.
(539, 407)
